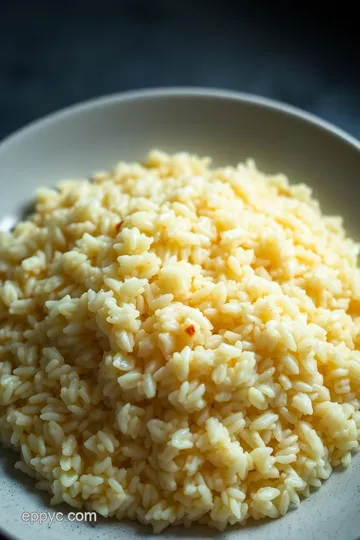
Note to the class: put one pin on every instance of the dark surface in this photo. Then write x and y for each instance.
(56, 54)
(53, 54)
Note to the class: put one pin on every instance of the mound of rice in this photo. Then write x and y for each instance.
(179, 343)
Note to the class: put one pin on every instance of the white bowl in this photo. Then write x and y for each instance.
(229, 127)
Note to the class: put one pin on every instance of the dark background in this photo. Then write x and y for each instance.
(54, 54)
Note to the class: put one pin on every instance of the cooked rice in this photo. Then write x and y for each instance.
(180, 343)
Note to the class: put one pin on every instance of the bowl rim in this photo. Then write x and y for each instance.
(157, 93)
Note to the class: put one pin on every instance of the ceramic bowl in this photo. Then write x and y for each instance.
(229, 127)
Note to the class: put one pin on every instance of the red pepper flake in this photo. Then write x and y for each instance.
(190, 330)
(118, 226)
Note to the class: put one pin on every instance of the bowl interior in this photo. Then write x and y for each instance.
(228, 128)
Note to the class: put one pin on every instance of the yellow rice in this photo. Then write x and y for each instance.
(179, 343)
